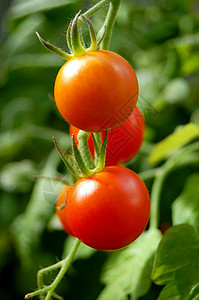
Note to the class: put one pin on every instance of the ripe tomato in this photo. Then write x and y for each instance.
(61, 212)
(109, 209)
(124, 141)
(96, 91)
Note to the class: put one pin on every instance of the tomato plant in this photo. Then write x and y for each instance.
(60, 211)
(124, 141)
(109, 209)
(96, 91)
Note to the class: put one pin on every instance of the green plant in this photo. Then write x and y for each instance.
(160, 41)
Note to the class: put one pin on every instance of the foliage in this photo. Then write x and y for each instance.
(160, 40)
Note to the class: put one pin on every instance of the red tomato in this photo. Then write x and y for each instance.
(61, 212)
(124, 141)
(109, 209)
(96, 91)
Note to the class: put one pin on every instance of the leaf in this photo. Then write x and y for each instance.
(177, 90)
(129, 271)
(22, 36)
(17, 176)
(28, 227)
(24, 8)
(177, 263)
(174, 141)
(40, 60)
(185, 209)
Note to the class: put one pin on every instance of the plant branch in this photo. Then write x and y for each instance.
(63, 265)
(109, 23)
(94, 9)
(179, 159)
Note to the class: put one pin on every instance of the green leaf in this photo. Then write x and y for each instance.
(177, 90)
(185, 209)
(40, 60)
(24, 8)
(17, 176)
(177, 263)
(28, 227)
(129, 271)
(22, 36)
(174, 141)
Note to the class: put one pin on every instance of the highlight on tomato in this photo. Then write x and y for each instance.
(109, 209)
(124, 141)
(60, 211)
(96, 91)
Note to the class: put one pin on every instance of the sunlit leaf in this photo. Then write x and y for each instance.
(176, 90)
(185, 209)
(174, 141)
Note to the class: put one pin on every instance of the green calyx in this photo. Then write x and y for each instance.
(81, 163)
(75, 40)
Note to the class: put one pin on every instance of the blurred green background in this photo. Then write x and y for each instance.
(160, 38)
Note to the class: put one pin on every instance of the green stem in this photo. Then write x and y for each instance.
(94, 9)
(148, 174)
(65, 265)
(177, 160)
(45, 270)
(155, 198)
(84, 149)
(109, 23)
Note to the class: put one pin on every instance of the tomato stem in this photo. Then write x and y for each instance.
(84, 149)
(91, 11)
(177, 160)
(109, 23)
(63, 265)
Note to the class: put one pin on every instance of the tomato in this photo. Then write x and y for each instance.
(96, 91)
(61, 212)
(109, 209)
(124, 141)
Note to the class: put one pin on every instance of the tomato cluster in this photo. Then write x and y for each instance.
(109, 209)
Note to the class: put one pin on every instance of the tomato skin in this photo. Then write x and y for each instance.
(124, 141)
(96, 91)
(62, 198)
(109, 209)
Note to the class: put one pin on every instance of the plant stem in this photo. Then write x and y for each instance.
(45, 270)
(84, 149)
(148, 174)
(65, 265)
(155, 198)
(177, 160)
(109, 23)
(94, 9)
